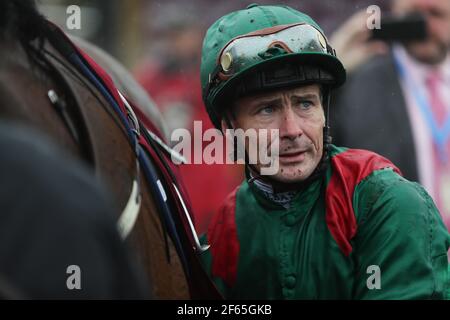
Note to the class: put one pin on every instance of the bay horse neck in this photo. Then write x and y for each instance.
(25, 82)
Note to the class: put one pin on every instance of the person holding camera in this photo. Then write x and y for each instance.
(397, 99)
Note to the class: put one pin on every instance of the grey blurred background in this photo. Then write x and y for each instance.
(132, 30)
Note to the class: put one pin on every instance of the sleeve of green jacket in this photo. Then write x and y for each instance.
(206, 260)
(400, 239)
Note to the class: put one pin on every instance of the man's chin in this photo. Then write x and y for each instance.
(427, 53)
(288, 174)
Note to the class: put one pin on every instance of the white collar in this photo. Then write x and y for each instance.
(418, 69)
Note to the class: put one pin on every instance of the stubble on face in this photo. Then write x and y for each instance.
(298, 115)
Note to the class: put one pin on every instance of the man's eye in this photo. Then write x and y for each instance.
(437, 13)
(266, 110)
(306, 104)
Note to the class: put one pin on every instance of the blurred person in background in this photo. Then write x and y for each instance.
(397, 99)
(171, 76)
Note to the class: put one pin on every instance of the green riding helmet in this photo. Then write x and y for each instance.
(263, 48)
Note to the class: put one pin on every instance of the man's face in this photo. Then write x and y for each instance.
(298, 115)
(437, 12)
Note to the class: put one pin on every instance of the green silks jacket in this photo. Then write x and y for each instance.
(360, 232)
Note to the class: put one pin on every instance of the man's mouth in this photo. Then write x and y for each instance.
(290, 157)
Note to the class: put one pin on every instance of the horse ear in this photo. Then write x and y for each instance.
(22, 18)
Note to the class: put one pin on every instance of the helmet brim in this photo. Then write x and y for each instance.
(322, 61)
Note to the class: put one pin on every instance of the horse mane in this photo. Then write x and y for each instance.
(21, 20)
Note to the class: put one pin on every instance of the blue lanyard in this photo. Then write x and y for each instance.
(440, 135)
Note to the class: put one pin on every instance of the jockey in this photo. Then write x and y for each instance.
(332, 222)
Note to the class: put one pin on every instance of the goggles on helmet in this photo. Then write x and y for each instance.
(247, 50)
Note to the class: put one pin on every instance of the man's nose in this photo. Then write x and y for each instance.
(291, 124)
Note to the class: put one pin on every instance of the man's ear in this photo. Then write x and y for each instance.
(224, 125)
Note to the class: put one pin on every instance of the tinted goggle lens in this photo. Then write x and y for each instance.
(245, 51)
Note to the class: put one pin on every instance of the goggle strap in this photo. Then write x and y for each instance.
(327, 137)
(330, 50)
(212, 79)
